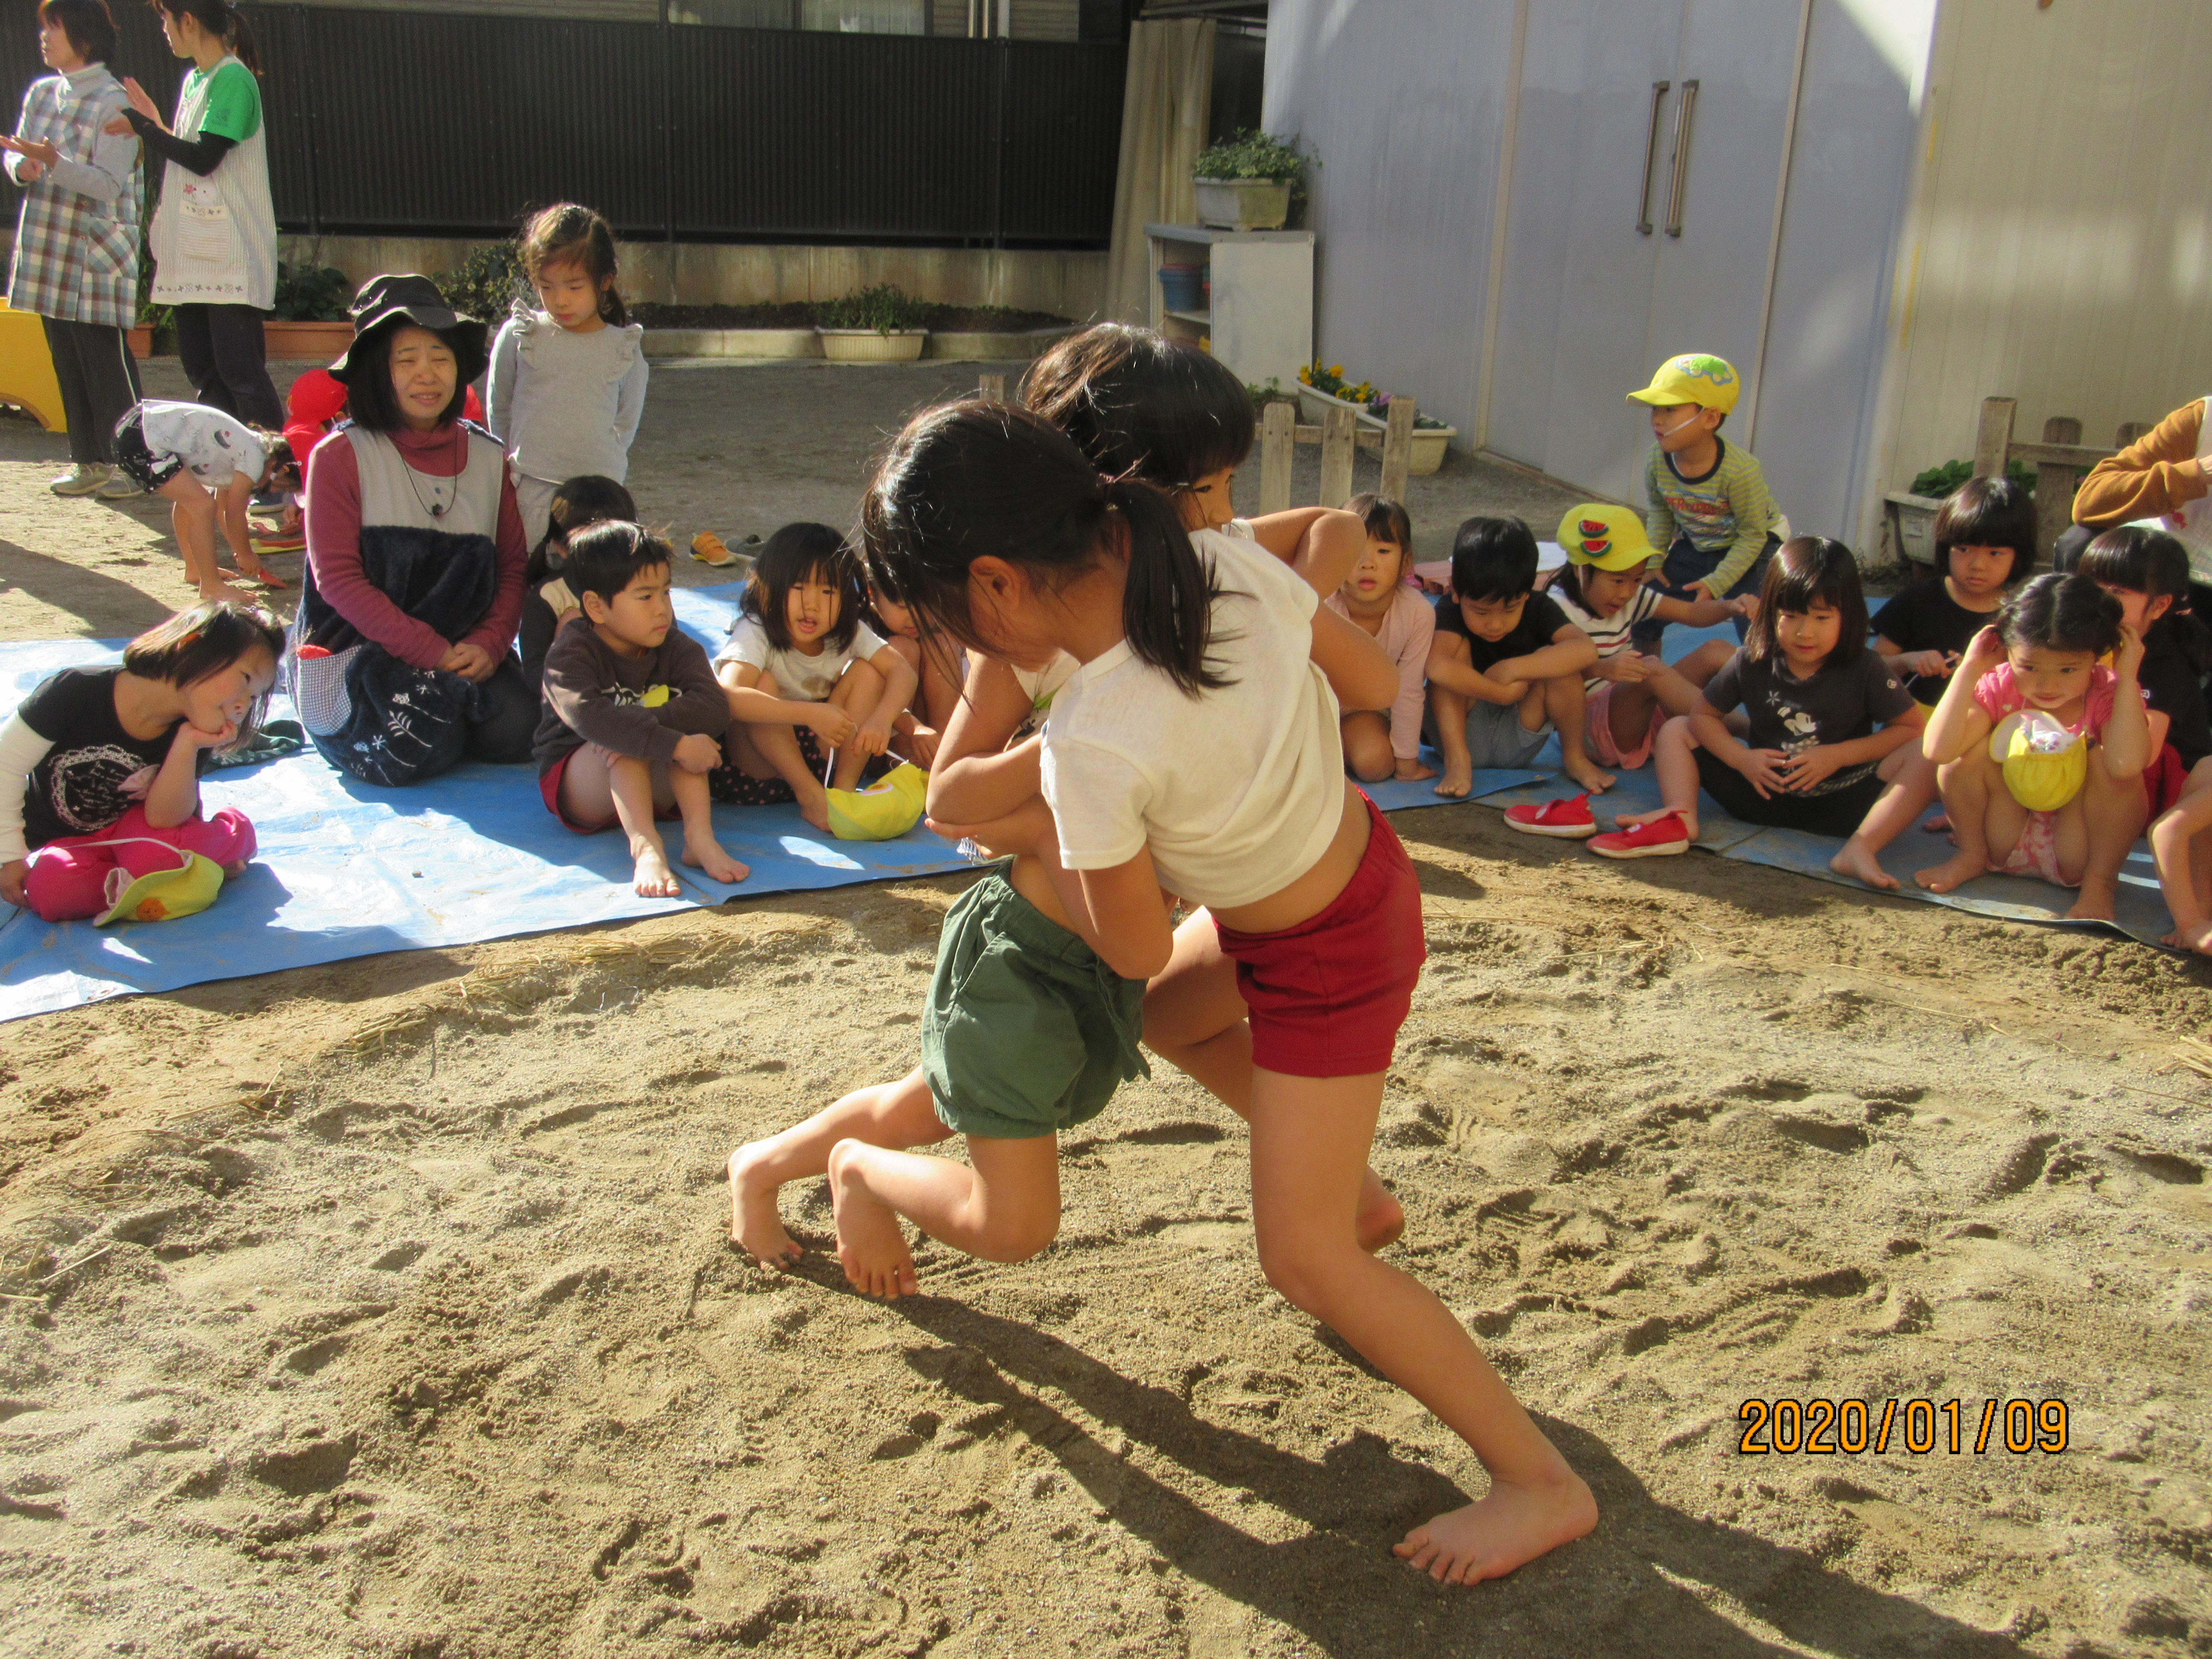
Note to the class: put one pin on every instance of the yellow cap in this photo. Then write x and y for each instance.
(162, 895)
(1695, 377)
(1610, 537)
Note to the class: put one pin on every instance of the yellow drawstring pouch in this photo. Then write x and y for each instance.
(2044, 765)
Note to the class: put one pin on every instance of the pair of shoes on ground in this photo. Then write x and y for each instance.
(711, 551)
(93, 478)
(1571, 819)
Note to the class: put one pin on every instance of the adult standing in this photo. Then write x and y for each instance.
(2163, 478)
(403, 659)
(77, 241)
(214, 238)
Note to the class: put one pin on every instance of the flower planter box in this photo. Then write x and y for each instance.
(1912, 525)
(732, 342)
(867, 345)
(1429, 442)
(305, 342)
(1243, 203)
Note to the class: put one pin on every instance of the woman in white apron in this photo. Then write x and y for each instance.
(214, 238)
(76, 241)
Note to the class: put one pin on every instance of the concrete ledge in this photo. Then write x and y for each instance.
(1000, 346)
(732, 342)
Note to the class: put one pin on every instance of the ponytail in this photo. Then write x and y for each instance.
(221, 19)
(975, 479)
(1167, 602)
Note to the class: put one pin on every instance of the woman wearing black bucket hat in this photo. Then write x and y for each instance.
(402, 661)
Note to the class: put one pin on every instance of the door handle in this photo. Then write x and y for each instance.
(1650, 159)
(1683, 112)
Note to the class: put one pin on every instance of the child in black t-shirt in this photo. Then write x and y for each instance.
(100, 767)
(1506, 666)
(1984, 547)
(1812, 759)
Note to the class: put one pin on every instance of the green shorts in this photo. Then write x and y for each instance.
(1027, 1031)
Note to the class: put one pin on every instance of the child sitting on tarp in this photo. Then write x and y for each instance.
(99, 771)
(633, 718)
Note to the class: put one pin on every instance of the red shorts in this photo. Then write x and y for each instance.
(548, 789)
(2163, 780)
(1328, 995)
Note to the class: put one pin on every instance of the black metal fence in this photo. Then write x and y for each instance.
(429, 125)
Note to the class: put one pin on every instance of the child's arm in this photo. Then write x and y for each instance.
(1320, 544)
(234, 498)
(1122, 917)
(740, 682)
(629, 400)
(1761, 767)
(1466, 680)
(1958, 722)
(175, 796)
(1570, 652)
(499, 389)
(1358, 669)
(1809, 766)
(1929, 663)
(573, 681)
(21, 748)
(976, 777)
(1413, 699)
(1658, 517)
(2127, 734)
(900, 681)
(1704, 613)
(1753, 506)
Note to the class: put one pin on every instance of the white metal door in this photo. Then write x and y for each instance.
(1589, 168)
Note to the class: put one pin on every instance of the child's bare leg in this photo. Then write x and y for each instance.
(630, 781)
(777, 744)
(1449, 708)
(858, 691)
(1309, 1137)
(701, 850)
(1911, 779)
(2112, 814)
(1195, 1019)
(1567, 706)
(1674, 763)
(1965, 785)
(1003, 1205)
(897, 1114)
(193, 521)
(1702, 664)
(2181, 842)
(1367, 749)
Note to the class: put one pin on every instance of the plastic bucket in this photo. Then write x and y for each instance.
(1182, 288)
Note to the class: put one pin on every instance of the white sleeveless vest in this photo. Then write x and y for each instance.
(214, 240)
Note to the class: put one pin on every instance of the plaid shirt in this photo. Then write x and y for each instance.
(76, 256)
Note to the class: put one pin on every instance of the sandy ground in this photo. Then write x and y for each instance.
(386, 1309)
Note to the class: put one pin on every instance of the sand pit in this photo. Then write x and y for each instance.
(386, 1309)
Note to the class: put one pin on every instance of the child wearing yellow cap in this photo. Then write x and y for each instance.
(1711, 512)
(1603, 593)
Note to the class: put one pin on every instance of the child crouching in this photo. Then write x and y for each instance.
(633, 718)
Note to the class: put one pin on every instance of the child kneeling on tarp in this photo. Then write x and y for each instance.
(633, 718)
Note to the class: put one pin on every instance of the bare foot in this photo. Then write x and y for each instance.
(1935, 824)
(654, 879)
(870, 1243)
(1510, 1526)
(755, 1225)
(1857, 860)
(2191, 936)
(1956, 870)
(705, 852)
(1381, 1219)
(1416, 773)
(210, 592)
(1631, 820)
(232, 871)
(2094, 904)
(814, 806)
(1585, 772)
(1458, 778)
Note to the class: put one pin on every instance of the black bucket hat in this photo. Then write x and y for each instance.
(388, 302)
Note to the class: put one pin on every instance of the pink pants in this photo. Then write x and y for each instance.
(67, 878)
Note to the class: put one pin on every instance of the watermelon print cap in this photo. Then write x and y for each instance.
(1610, 537)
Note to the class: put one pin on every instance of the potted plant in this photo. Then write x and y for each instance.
(1913, 510)
(880, 325)
(1322, 386)
(487, 283)
(309, 321)
(1249, 182)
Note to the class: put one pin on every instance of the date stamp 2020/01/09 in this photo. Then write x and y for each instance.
(1828, 1428)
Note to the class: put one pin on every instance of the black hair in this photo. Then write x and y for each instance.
(789, 557)
(2062, 612)
(974, 479)
(1384, 520)
(203, 640)
(278, 458)
(372, 404)
(1988, 512)
(1493, 559)
(1139, 405)
(1806, 571)
(220, 19)
(88, 24)
(569, 233)
(605, 557)
(586, 499)
(2147, 560)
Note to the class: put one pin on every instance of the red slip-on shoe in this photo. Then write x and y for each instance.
(1569, 817)
(1659, 839)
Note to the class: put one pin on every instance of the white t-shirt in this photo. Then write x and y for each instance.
(211, 445)
(1609, 633)
(1238, 791)
(800, 678)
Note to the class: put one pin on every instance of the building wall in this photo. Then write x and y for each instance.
(2059, 250)
(1404, 101)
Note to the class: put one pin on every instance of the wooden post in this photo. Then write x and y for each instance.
(1337, 427)
(1994, 437)
(1398, 448)
(2131, 432)
(1278, 433)
(993, 386)
(2054, 488)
